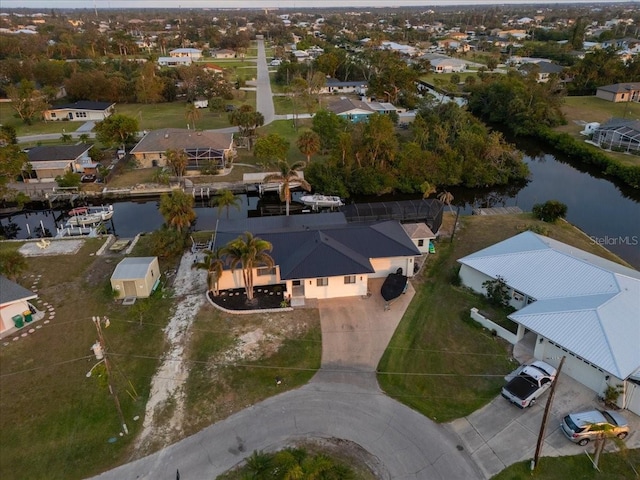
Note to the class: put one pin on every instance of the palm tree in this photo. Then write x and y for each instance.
(308, 143)
(427, 189)
(225, 199)
(213, 263)
(177, 209)
(446, 198)
(192, 114)
(249, 252)
(287, 174)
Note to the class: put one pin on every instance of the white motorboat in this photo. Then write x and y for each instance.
(84, 216)
(318, 200)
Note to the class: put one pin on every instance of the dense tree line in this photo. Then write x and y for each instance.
(447, 146)
(519, 104)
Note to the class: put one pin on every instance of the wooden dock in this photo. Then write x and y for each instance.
(497, 211)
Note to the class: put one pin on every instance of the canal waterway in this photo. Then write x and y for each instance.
(608, 214)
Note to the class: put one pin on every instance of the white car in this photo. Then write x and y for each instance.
(276, 62)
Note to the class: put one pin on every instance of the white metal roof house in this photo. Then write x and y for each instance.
(136, 277)
(576, 304)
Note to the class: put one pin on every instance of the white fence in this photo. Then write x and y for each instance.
(502, 332)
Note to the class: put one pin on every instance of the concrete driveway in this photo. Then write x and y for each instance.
(356, 331)
(501, 434)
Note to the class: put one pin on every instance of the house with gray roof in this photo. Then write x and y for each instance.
(49, 161)
(204, 149)
(81, 111)
(14, 302)
(321, 255)
(569, 303)
(620, 92)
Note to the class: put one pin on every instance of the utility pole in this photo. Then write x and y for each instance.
(543, 425)
(98, 323)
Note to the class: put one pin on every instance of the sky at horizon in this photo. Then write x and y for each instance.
(47, 5)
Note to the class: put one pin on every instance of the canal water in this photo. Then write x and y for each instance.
(609, 214)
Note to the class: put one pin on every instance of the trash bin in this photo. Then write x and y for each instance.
(27, 316)
(17, 321)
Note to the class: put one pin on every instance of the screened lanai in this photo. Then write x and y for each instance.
(618, 134)
(422, 210)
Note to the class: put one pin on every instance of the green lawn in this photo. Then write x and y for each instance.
(9, 117)
(438, 345)
(581, 110)
(59, 422)
(613, 466)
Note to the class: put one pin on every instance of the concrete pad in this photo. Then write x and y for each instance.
(469, 436)
(356, 331)
(488, 461)
(512, 443)
(56, 247)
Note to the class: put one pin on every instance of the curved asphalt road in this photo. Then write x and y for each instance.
(408, 445)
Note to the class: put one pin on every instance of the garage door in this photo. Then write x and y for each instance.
(129, 289)
(576, 368)
(633, 397)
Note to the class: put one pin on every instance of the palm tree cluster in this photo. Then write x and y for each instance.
(247, 252)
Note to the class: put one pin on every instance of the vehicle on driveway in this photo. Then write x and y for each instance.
(528, 383)
(583, 427)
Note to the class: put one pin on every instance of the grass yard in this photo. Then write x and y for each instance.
(9, 117)
(437, 343)
(59, 423)
(581, 110)
(613, 466)
(236, 358)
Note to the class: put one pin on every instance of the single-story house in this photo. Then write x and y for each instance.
(573, 304)
(192, 53)
(447, 65)
(321, 255)
(333, 85)
(420, 234)
(543, 70)
(618, 134)
(224, 53)
(47, 162)
(14, 301)
(351, 109)
(359, 110)
(136, 277)
(81, 111)
(620, 92)
(174, 61)
(205, 149)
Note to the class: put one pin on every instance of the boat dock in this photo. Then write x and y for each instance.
(497, 211)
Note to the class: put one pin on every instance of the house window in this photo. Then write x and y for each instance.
(322, 282)
(81, 114)
(517, 296)
(53, 114)
(266, 271)
(349, 279)
(421, 243)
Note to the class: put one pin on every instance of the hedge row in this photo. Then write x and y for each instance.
(586, 154)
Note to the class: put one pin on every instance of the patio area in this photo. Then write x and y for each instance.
(264, 297)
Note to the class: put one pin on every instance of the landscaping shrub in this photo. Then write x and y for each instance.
(550, 211)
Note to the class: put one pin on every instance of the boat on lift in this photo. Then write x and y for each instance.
(87, 216)
(318, 200)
